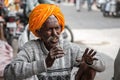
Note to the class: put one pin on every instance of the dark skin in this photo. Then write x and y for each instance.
(85, 72)
(88, 57)
(51, 27)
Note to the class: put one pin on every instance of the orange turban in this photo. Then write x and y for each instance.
(39, 15)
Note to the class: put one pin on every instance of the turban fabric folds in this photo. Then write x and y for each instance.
(40, 14)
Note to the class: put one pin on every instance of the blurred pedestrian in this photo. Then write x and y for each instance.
(6, 51)
(5, 3)
(50, 57)
(89, 4)
(3, 7)
(79, 4)
(46, 1)
(30, 5)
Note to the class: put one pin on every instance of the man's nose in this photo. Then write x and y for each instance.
(55, 32)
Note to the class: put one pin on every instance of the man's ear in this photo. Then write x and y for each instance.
(38, 32)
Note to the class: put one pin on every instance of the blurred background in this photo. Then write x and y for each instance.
(89, 23)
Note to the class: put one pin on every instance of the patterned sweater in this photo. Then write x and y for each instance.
(29, 63)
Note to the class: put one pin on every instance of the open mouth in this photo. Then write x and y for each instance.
(53, 40)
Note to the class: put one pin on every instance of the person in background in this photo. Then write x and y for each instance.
(3, 7)
(89, 4)
(2, 10)
(116, 75)
(50, 57)
(78, 5)
(6, 51)
(30, 4)
(5, 3)
(46, 1)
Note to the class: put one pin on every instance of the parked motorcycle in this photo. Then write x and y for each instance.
(111, 8)
(100, 4)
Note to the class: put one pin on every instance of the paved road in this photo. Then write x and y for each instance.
(93, 30)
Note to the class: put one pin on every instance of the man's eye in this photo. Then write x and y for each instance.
(49, 29)
(57, 28)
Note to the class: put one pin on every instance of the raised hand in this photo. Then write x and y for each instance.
(88, 56)
(85, 72)
(54, 53)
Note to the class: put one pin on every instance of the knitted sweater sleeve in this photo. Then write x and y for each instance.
(77, 52)
(24, 65)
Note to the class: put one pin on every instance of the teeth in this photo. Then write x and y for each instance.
(53, 38)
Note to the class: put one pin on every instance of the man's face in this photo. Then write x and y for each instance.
(50, 32)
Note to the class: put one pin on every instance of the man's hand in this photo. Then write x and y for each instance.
(85, 72)
(54, 53)
(88, 56)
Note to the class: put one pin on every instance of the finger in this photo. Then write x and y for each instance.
(52, 56)
(93, 54)
(86, 51)
(95, 59)
(54, 48)
(78, 59)
(59, 56)
(55, 52)
(57, 48)
(90, 52)
(59, 52)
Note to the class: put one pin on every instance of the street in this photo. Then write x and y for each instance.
(92, 30)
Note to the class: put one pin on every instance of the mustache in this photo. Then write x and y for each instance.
(52, 38)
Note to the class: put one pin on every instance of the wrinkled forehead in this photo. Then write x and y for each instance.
(50, 20)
